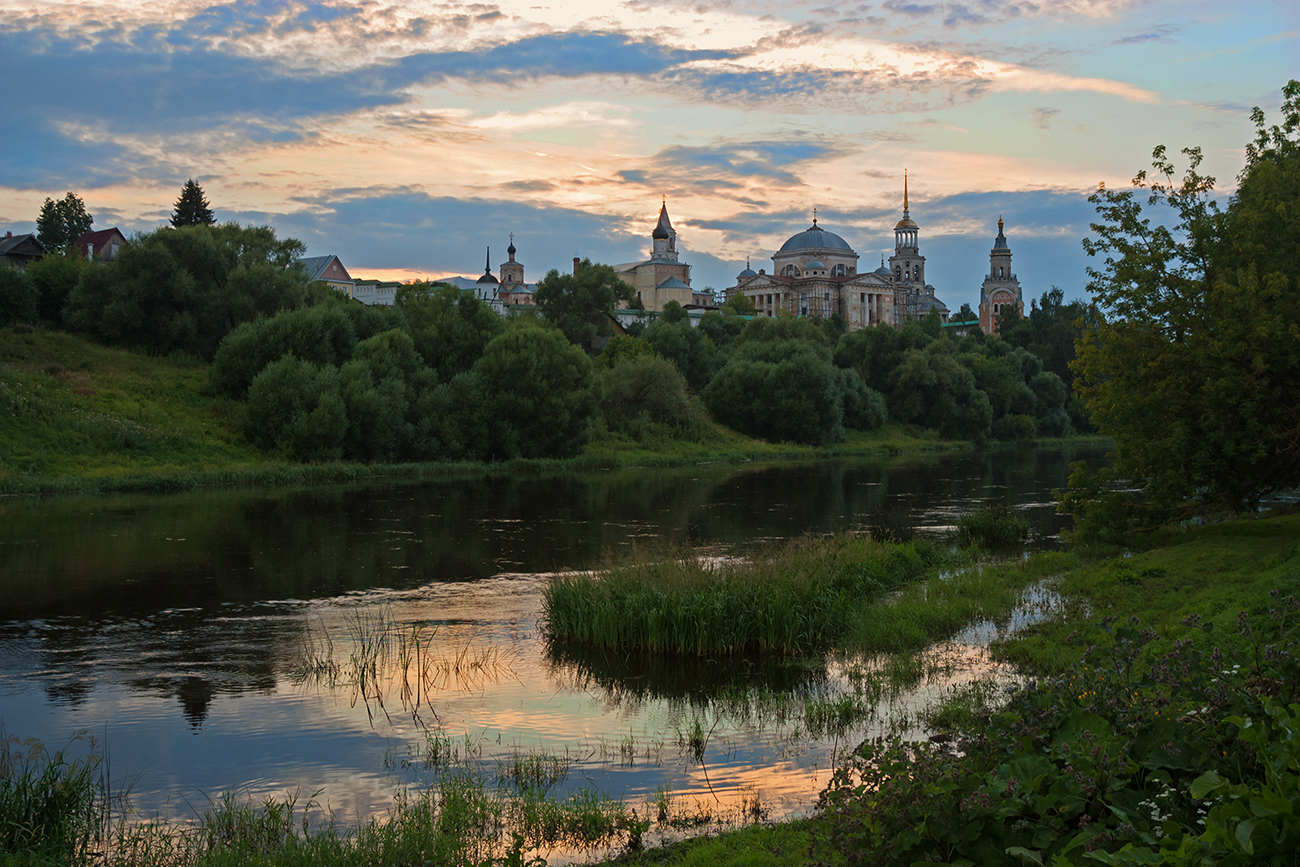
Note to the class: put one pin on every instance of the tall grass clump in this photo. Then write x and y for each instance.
(52, 805)
(790, 600)
(993, 526)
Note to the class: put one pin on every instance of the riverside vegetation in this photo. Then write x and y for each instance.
(1165, 734)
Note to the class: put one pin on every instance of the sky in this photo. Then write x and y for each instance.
(409, 138)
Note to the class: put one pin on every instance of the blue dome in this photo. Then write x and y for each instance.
(814, 265)
(815, 237)
(748, 272)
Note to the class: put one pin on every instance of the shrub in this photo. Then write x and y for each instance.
(17, 297)
(644, 387)
(992, 526)
(783, 391)
(1015, 427)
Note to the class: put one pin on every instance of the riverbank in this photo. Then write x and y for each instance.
(1192, 591)
(77, 417)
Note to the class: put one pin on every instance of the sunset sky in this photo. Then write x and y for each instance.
(407, 138)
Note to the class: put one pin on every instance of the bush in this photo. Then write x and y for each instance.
(864, 407)
(538, 392)
(782, 391)
(323, 334)
(17, 297)
(1015, 427)
(644, 387)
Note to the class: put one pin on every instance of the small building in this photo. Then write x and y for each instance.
(18, 250)
(101, 246)
(330, 271)
(376, 292)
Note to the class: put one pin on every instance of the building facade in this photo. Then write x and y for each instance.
(1001, 286)
(663, 277)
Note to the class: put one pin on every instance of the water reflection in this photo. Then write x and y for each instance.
(176, 622)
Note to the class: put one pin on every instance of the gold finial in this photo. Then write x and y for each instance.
(904, 190)
(814, 216)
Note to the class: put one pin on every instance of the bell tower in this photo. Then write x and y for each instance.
(1001, 286)
(907, 265)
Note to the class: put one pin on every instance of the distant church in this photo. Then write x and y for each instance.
(1001, 287)
(815, 273)
(663, 277)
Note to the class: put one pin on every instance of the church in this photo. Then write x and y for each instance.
(815, 273)
(663, 277)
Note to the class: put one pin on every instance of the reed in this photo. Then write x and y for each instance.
(793, 599)
(53, 806)
(994, 527)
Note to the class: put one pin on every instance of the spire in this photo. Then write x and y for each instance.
(814, 217)
(487, 265)
(904, 192)
(1000, 242)
(664, 228)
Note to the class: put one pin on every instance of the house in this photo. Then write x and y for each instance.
(101, 246)
(330, 271)
(18, 250)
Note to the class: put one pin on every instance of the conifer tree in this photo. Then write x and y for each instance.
(192, 207)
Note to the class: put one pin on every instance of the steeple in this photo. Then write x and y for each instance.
(487, 270)
(664, 236)
(511, 249)
(904, 192)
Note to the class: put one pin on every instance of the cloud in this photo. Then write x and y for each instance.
(769, 165)
(1160, 33)
(1041, 118)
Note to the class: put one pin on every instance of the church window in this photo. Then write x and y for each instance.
(898, 272)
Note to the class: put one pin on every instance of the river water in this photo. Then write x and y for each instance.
(181, 630)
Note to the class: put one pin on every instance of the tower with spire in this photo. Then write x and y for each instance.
(486, 286)
(1001, 286)
(907, 264)
(512, 272)
(663, 277)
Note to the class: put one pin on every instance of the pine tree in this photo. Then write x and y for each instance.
(61, 223)
(192, 207)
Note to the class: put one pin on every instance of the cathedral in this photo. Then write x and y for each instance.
(815, 273)
(1001, 287)
(662, 277)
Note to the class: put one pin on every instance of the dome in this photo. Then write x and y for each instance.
(748, 272)
(814, 265)
(906, 223)
(815, 237)
(488, 278)
(882, 271)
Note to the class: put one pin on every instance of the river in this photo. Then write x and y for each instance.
(179, 629)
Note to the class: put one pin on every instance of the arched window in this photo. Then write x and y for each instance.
(898, 272)
(840, 271)
(916, 272)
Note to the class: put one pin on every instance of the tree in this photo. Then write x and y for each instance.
(581, 304)
(1193, 362)
(450, 327)
(966, 314)
(782, 390)
(741, 304)
(192, 207)
(61, 223)
(17, 296)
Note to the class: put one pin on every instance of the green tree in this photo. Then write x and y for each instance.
(781, 390)
(688, 348)
(192, 207)
(932, 388)
(581, 304)
(450, 327)
(61, 223)
(966, 314)
(17, 296)
(641, 390)
(740, 304)
(54, 278)
(538, 393)
(185, 289)
(1193, 363)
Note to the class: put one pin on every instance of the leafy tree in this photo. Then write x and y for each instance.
(61, 223)
(323, 334)
(688, 348)
(53, 278)
(622, 347)
(538, 393)
(722, 327)
(932, 388)
(644, 389)
(581, 304)
(192, 207)
(673, 312)
(740, 304)
(295, 406)
(1006, 319)
(185, 289)
(17, 296)
(782, 390)
(864, 407)
(966, 314)
(450, 327)
(1193, 362)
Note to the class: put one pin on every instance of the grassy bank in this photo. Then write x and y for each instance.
(77, 417)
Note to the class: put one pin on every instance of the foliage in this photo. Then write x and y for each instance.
(644, 389)
(192, 207)
(966, 314)
(791, 600)
(864, 407)
(185, 289)
(450, 328)
(1189, 757)
(61, 223)
(324, 334)
(1051, 329)
(934, 389)
(1192, 364)
(740, 304)
(779, 390)
(622, 347)
(993, 527)
(687, 347)
(581, 304)
(538, 392)
(53, 278)
(52, 805)
(18, 298)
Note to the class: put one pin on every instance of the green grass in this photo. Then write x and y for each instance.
(994, 527)
(52, 805)
(793, 599)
